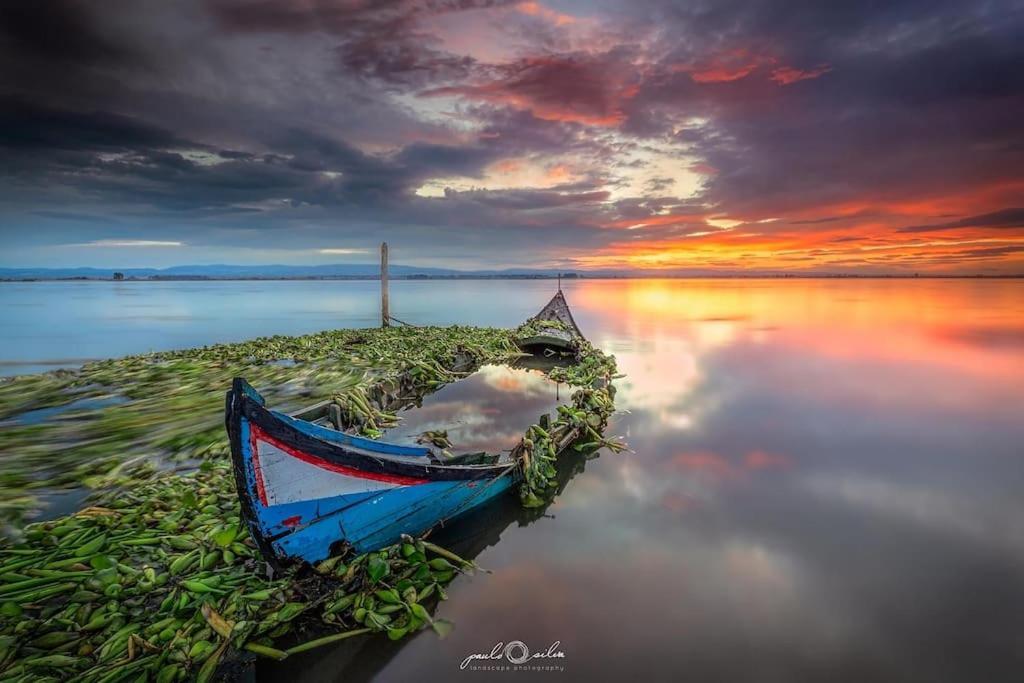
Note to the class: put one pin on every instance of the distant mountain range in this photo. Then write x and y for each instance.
(365, 271)
(224, 271)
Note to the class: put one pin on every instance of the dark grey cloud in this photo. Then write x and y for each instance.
(309, 123)
(1007, 218)
(378, 41)
(33, 127)
(63, 31)
(530, 200)
(920, 97)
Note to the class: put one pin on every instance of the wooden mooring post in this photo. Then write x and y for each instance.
(385, 312)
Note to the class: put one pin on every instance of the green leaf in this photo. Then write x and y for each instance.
(10, 609)
(226, 536)
(442, 627)
(290, 611)
(377, 569)
(101, 562)
(420, 612)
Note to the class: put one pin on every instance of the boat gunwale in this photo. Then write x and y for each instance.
(356, 458)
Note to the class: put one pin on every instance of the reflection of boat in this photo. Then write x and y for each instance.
(306, 487)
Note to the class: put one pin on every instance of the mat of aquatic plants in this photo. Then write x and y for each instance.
(161, 582)
(157, 578)
(114, 420)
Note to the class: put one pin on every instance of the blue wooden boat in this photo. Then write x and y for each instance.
(309, 490)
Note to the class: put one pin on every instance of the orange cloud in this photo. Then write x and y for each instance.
(862, 235)
(784, 75)
(535, 9)
(663, 219)
(760, 460)
(725, 67)
(507, 166)
(737, 64)
(558, 174)
(722, 74)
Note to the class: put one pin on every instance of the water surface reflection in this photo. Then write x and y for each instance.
(488, 411)
(825, 485)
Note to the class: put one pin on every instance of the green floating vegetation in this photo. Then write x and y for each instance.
(580, 423)
(536, 327)
(162, 583)
(159, 580)
(174, 412)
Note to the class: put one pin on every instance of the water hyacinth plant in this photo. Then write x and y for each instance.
(162, 583)
(159, 580)
(171, 403)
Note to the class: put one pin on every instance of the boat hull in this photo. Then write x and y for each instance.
(303, 496)
(560, 334)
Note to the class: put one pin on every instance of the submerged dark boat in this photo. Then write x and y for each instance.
(308, 488)
(553, 329)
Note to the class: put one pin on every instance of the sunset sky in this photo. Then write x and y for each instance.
(686, 137)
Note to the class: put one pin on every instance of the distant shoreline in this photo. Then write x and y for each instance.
(420, 278)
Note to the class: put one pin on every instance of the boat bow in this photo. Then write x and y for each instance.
(553, 329)
(305, 488)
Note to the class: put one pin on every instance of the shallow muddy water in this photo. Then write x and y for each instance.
(826, 483)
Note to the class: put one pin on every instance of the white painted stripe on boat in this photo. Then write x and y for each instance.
(287, 479)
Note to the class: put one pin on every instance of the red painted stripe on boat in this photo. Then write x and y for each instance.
(397, 479)
(261, 491)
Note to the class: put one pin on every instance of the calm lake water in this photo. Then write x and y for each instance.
(827, 483)
(488, 411)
